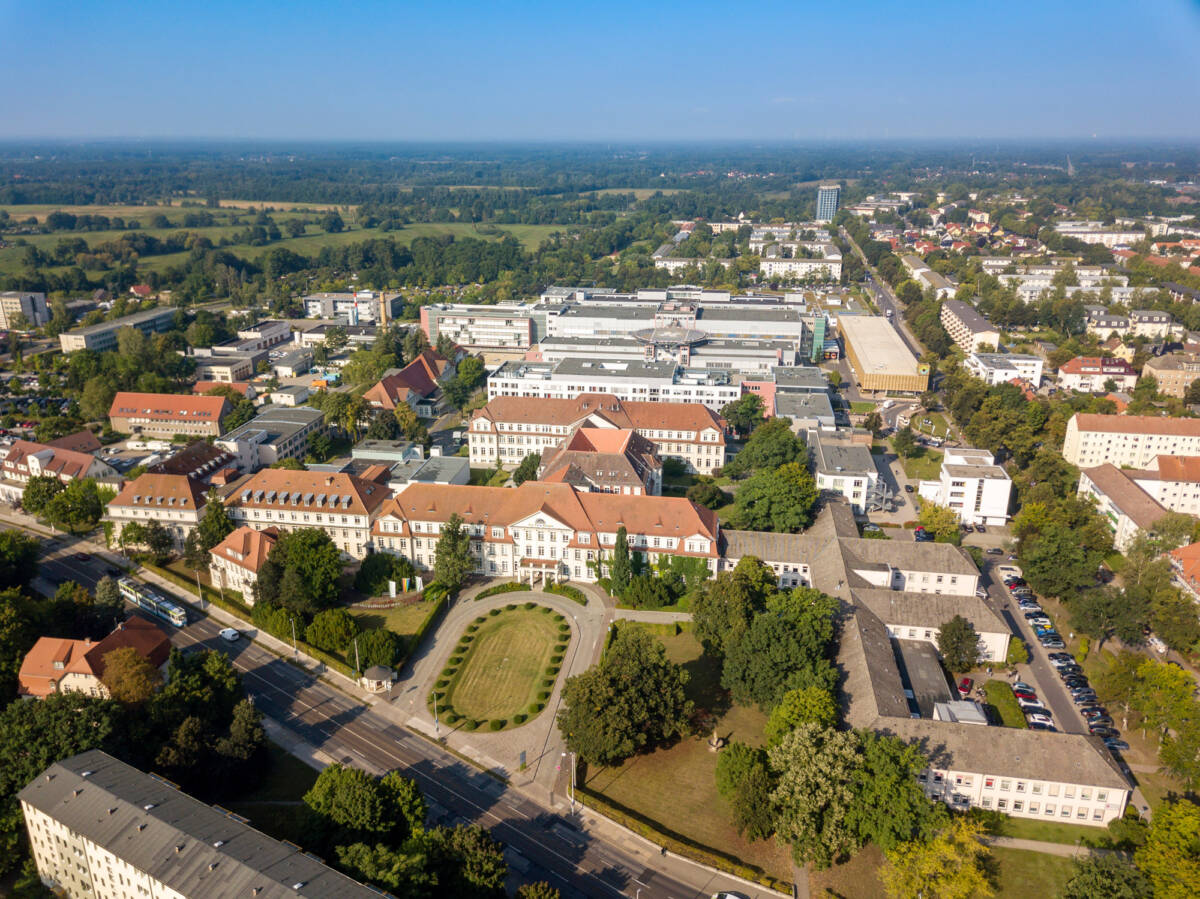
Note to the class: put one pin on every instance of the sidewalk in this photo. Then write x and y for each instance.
(1066, 850)
(652, 617)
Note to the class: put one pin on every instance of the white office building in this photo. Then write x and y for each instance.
(1000, 368)
(972, 485)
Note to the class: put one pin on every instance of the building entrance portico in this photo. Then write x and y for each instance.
(532, 570)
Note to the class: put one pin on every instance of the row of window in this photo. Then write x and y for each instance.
(353, 520)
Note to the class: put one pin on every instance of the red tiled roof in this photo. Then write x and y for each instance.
(161, 491)
(420, 376)
(620, 413)
(203, 387)
(296, 489)
(168, 407)
(247, 547)
(39, 672)
(81, 442)
(1083, 365)
(63, 463)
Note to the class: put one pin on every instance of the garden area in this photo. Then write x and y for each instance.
(675, 788)
(503, 669)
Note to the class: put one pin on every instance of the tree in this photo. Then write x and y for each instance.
(1110, 876)
(158, 541)
(452, 563)
(1163, 696)
(744, 414)
(723, 608)
(1170, 857)
(745, 784)
(779, 500)
(892, 807)
(77, 507)
(620, 570)
(401, 871)
(332, 223)
(772, 445)
(129, 676)
(466, 861)
(952, 865)
(95, 400)
(538, 890)
(350, 799)
(873, 422)
(332, 630)
(410, 425)
(959, 644)
(316, 566)
(1105, 612)
(215, 525)
(379, 568)
(708, 495)
(38, 492)
(814, 793)
(18, 558)
(904, 442)
(632, 701)
(527, 470)
(786, 647)
(804, 705)
(247, 739)
(379, 646)
(940, 521)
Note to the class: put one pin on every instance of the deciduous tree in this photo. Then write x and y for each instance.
(129, 676)
(723, 608)
(804, 705)
(779, 500)
(1170, 857)
(959, 644)
(952, 865)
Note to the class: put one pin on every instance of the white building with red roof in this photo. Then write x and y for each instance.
(540, 531)
(175, 501)
(26, 459)
(342, 505)
(608, 460)
(237, 559)
(62, 665)
(417, 384)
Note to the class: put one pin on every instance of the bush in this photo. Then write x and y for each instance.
(569, 592)
(1018, 654)
(494, 612)
(449, 671)
(564, 628)
(551, 671)
(510, 607)
(456, 660)
(495, 589)
(518, 719)
(497, 724)
(556, 658)
(528, 605)
(379, 568)
(452, 717)
(534, 708)
(1084, 645)
(439, 695)
(548, 682)
(470, 724)
(546, 610)
(543, 695)
(442, 683)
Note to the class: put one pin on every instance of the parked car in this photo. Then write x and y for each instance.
(964, 687)
(994, 551)
(1100, 721)
(1038, 718)
(1038, 620)
(1038, 725)
(1021, 685)
(908, 488)
(1053, 644)
(1104, 732)
(1031, 705)
(82, 557)
(871, 527)
(1116, 745)
(230, 634)
(1027, 695)
(1093, 711)
(1084, 699)
(981, 529)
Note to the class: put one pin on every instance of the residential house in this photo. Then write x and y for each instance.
(237, 559)
(1003, 368)
(608, 460)
(26, 459)
(418, 384)
(1091, 374)
(61, 665)
(175, 501)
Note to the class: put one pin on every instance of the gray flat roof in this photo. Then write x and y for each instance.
(278, 421)
(838, 458)
(803, 406)
(800, 377)
(192, 848)
(922, 673)
(878, 345)
(126, 320)
(970, 317)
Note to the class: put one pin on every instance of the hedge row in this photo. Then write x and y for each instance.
(568, 591)
(461, 652)
(510, 587)
(679, 845)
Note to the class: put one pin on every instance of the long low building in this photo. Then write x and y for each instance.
(880, 359)
(277, 432)
(508, 429)
(102, 829)
(103, 336)
(168, 414)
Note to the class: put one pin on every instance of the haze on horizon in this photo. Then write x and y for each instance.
(619, 71)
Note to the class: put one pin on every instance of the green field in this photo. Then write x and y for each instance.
(676, 787)
(404, 619)
(925, 467)
(308, 244)
(502, 672)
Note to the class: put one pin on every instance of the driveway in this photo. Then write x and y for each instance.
(539, 739)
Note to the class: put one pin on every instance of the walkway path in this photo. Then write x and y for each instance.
(1066, 850)
(651, 617)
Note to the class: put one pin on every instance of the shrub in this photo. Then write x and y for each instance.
(556, 658)
(510, 607)
(442, 683)
(546, 610)
(543, 695)
(561, 647)
(569, 592)
(379, 568)
(452, 717)
(449, 671)
(456, 660)
(470, 724)
(551, 671)
(497, 724)
(528, 605)
(510, 587)
(518, 719)
(494, 612)
(548, 682)
(534, 708)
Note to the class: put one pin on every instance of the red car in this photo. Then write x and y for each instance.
(964, 687)
(1022, 694)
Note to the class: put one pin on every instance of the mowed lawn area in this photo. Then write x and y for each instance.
(676, 787)
(403, 620)
(502, 672)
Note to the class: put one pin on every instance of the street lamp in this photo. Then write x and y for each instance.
(295, 651)
(437, 728)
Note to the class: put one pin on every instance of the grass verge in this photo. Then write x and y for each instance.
(1000, 698)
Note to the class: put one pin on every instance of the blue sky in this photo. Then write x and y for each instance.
(612, 71)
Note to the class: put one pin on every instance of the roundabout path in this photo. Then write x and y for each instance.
(538, 739)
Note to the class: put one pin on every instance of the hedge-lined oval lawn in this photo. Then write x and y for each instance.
(503, 669)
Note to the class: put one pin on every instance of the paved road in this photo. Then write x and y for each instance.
(582, 858)
(881, 291)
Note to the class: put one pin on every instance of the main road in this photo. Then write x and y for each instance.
(581, 858)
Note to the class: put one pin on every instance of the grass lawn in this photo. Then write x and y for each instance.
(1000, 697)
(858, 877)
(403, 620)
(862, 408)
(504, 667)
(1020, 874)
(1053, 832)
(925, 467)
(275, 805)
(676, 787)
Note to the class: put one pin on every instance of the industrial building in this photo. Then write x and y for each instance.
(879, 357)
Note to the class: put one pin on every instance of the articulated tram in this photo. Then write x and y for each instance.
(145, 597)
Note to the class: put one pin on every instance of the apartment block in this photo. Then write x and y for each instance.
(167, 414)
(969, 330)
(1091, 374)
(1128, 509)
(1128, 441)
(24, 303)
(972, 485)
(103, 336)
(545, 532)
(101, 829)
(1002, 368)
(508, 429)
(342, 505)
(1174, 372)
(828, 198)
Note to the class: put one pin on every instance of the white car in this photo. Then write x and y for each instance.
(230, 634)
(1038, 718)
(1031, 705)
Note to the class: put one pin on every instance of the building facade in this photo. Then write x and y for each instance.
(236, 560)
(168, 414)
(103, 336)
(879, 358)
(1002, 368)
(969, 330)
(828, 198)
(972, 485)
(1126, 507)
(1090, 374)
(277, 432)
(1128, 441)
(1174, 373)
(508, 429)
(174, 501)
(31, 306)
